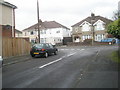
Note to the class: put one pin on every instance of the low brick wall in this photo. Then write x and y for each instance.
(59, 44)
(78, 44)
(86, 44)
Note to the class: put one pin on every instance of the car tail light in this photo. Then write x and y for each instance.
(42, 49)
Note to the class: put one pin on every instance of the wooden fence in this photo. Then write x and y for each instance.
(15, 47)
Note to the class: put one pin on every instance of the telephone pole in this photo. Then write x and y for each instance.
(92, 29)
(38, 21)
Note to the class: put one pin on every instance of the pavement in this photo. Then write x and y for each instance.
(16, 59)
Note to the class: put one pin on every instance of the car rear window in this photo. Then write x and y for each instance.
(38, 45)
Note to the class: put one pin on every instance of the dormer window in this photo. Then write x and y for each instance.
(99, 25)
(85, 27)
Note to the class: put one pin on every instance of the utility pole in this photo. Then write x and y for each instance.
(14, 22)
(38, 21)
(92, 22)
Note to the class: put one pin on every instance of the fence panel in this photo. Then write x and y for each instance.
(15, 47)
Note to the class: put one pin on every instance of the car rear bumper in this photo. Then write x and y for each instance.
(38, 53)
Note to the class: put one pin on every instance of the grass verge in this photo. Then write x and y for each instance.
(115, 57)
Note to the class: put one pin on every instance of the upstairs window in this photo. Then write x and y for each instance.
(57, 31)
(43, 32)
(31, 33)
(85, 27)
(99, 25)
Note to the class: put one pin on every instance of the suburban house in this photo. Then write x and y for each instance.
(50, 32)
(7, 16)
(92, 27)
(18, 33)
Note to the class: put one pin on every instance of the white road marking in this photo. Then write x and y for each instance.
(97, 53)
(70, 54)
(63, 56)
(66, 49)
(72, 49)
(56, 60)
(82, 49)
(50, 63)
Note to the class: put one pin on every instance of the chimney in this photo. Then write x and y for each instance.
(92, 14)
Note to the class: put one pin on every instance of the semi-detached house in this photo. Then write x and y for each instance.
(50, 32)
(7, 18)
(84, 29)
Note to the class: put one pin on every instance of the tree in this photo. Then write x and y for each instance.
(114, 28)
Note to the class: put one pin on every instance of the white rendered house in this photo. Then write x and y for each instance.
(50, 32)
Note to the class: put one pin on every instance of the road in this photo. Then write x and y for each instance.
(73, 67)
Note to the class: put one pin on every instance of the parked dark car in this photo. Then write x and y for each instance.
(43, 49)
(110, 40)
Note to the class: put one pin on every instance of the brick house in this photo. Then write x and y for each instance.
(7, 16)
(91, 27)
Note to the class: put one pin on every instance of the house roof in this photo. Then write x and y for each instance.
(35, 26)
(96, 18)
(47, 25)
(53, 24)
(17, 31)
(8, 4)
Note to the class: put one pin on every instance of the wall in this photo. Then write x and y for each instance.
(0, 30)
(18, 35)
(6, 31)
(6, 18)
(7, 15)
(15, 47)
(0, 44)
(66, 32)
(0, 40)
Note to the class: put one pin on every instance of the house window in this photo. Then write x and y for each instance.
(31, 33)
(42, 40)
(25, 34)
(57, 31)
(100, 26)
(99, 37)
(43, 32)
(86, 37)
(85, 27)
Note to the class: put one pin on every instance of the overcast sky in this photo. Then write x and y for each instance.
(66, 12)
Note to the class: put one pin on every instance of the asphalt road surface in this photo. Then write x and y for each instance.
(73, 67)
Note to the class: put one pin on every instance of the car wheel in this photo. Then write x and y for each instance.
(46, 55)
(56, 52)
(32, 55)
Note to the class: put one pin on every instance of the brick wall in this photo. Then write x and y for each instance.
(86, 43)
(6, 31)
